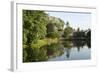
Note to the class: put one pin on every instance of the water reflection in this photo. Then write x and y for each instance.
(79, 44)
(59, 51)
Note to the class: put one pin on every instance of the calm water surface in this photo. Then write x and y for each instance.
(76, 50)
(73, 54)
(61, 51)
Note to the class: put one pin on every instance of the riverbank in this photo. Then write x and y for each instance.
(43, 42)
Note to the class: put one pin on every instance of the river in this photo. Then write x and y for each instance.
(62, 51)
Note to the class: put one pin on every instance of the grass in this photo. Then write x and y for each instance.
(39, 43)
(43, 42)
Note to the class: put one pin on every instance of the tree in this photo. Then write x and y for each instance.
(34, 22)
(54, 26)
(67, 24)
(53, 35)
(88, 35)
(34, 28)
(67, 31)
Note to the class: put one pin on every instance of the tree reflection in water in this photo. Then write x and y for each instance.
(53, 50)
(75, 43)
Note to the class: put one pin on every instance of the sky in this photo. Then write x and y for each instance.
(76, 20)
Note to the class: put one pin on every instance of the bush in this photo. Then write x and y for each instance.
(53, 35)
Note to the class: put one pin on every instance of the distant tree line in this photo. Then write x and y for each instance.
(82, 34)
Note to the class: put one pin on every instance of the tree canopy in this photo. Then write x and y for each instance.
(67, 31)
(34, 24)
(54, 26)
(59, 23)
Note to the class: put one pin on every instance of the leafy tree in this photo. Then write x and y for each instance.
(53, 35)
(54, 27)
(67, 24)
(34, 28)
(56, 22)
(67, 31)
(79, 34)
(88, 34)
(34, 22)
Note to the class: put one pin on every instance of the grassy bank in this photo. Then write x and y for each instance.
(43, 42)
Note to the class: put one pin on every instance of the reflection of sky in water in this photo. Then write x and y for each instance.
(74, 54)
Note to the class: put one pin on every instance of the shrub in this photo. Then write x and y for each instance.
(53, 35)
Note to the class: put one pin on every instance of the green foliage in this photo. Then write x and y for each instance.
(24, 36)
(56, 22)
(54, 27)
(88, 35)
(34, 22)
(67, 44)
(53, 35)
(54, 50)
(79, 34)
(38, 54)
(41, 33)
(24, 55)
(67, 32)
(67, 24)
(40, 43)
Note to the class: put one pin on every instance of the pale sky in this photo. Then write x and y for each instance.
(81, 20)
